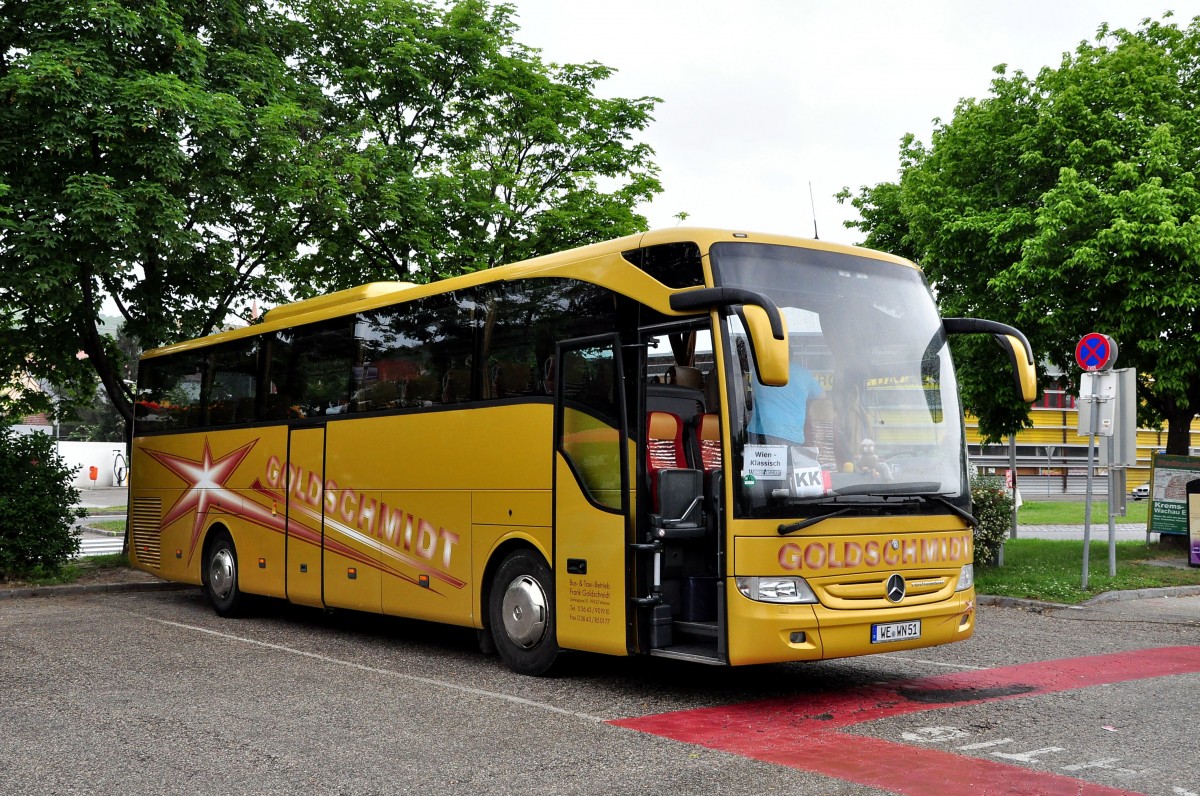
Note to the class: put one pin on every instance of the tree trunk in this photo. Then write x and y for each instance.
(1179, 430)
(85, 320)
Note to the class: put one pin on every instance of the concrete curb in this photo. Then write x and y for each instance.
(1037, 606)
(100, 531)
(1144, 594)
(73, 589)
(1040, 606)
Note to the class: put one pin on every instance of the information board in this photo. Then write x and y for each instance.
(1169, 478)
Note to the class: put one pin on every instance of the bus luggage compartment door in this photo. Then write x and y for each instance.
(305, 515)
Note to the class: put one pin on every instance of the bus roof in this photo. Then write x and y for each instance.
(568, 263)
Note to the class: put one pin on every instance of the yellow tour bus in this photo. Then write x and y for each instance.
(716, 446)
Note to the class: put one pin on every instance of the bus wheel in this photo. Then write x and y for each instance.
(521, 611)
(221, 576)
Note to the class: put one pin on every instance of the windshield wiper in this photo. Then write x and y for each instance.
(899, 488)
(915, 490)
(961, 512)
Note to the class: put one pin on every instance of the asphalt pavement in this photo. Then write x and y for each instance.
(152, 693)
(103, 497)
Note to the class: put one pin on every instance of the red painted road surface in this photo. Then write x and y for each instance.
(806, 733)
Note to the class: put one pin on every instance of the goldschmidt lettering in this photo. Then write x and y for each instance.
(821, 555)
(399, 529)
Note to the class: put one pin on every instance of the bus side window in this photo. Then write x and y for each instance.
(514, 341)
(523, 321)
(231, 391)
(421, 352)
(170, 391)
(589, 425)
(320, 367)
(276, 389)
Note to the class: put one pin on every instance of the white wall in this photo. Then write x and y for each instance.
(82, 455)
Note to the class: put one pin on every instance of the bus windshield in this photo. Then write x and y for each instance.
(870, 411)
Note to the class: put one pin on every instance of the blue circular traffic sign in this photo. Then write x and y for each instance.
(1096, 352)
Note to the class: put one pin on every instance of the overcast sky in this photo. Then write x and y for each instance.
(760, 98)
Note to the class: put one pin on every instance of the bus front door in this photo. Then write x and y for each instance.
(305, 515)
(591, 508)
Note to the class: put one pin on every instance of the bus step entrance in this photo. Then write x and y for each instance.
(703, 629)
(696, 653)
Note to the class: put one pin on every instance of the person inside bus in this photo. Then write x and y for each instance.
(780, 413)
(851, 424)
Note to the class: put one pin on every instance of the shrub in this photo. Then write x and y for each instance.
(992, 505)
(37, 534)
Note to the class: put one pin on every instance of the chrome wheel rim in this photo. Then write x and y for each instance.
(525, 611)
(222, 573)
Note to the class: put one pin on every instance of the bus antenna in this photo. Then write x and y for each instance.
(813, 204)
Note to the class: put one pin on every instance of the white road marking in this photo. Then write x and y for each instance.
(923, 662)
(386, 672)
(1028, 757)
(1104, 763)
(984, 744)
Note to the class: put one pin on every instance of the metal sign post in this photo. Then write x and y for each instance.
(1087, 506)
(1049, 467)
(1016, 489)
(1112, 512)
(1095, 352)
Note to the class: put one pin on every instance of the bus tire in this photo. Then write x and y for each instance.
(221, 576)
(521, 613)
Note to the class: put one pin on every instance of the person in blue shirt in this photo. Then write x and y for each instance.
(780, 412)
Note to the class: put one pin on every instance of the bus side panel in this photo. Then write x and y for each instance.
(503, 516)
(187, 483)
(426, 555)
(405, 486)
(478, 449)
(261, 556)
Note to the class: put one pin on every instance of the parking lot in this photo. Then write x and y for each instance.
(152, 693)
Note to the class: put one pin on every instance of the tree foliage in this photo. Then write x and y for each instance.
(37, 533)
(459, 147)
(1066, 203)
(151, 153)
(188, 160)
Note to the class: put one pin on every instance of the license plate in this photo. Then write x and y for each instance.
(895, 631)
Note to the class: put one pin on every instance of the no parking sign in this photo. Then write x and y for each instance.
(1096, 351)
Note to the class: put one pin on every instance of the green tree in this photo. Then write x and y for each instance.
(37, 533)
(460, 148)
(1067, 203)
(155, 153)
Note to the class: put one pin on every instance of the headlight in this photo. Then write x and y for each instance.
(776, 590)
(966, 578)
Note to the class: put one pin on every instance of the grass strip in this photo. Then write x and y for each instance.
(1052, 570)
(1070, 512)
(95, 512)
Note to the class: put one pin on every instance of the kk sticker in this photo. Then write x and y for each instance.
(811, 482)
